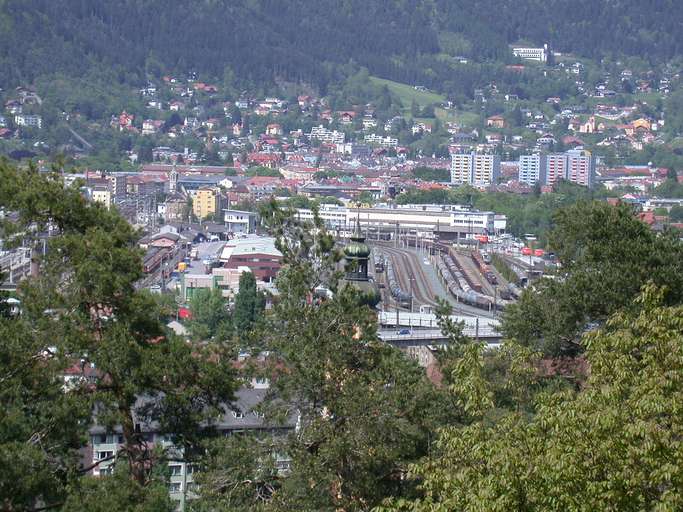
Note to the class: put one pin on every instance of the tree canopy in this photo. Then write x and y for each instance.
(613, 445)
(607, 255)
(82, 317)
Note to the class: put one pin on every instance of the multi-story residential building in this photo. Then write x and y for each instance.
(117, 184)
(485, 170)
(385, 142)
(556, 168)
(239, 221)
(461, 167)
(580, 167)
(474, 168)
(239, 418)
(205, 202)
(175, 209)
(532, 169)
(576, 166)
(28, 120)
(324, 135)
(101, 195)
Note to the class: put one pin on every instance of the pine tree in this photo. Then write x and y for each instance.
(249, 303)
(82, 311)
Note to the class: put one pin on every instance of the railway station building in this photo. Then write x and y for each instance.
(442, 221)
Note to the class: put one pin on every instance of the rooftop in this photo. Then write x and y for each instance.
(249, 245)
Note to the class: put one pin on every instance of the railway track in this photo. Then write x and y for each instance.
(410, 271)
(409, 265)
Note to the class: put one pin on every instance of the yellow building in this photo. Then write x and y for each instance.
(102, 195)
(205, 202)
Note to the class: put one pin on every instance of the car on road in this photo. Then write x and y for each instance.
(402, 332)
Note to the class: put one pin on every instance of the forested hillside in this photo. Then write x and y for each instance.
(254, 41)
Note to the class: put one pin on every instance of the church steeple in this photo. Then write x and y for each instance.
(173, 179)
(357, 254)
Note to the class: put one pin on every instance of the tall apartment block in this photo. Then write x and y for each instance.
(474, 169)
(580, 167)
(576, 166)
(556, 168)
(461, 167)
(532, 169)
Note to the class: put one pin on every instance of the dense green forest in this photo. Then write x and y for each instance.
(253, 41)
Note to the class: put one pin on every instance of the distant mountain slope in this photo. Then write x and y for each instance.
(308, 39)
(589, 28)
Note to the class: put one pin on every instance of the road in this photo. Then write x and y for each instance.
(428, 336)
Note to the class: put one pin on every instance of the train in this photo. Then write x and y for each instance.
(378, 259)
(484, 269)
(472, 282)
(153, 259)
(403, 298)
(514, 290)
(460, 288)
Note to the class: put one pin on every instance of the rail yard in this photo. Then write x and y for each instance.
(411, 279)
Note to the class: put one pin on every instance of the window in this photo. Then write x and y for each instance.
(175, 487)
(104, 454)
(108, 471)
(176, 470)
(238, 414)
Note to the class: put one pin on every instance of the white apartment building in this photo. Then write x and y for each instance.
(532, 169)
(28, 120)
(385, 142)
(239, 221)
(461, 167)
(474, 169)
(324, 135)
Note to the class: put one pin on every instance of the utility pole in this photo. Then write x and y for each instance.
(412, 278)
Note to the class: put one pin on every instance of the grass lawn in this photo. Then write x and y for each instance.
(407, 93)
(462, 117)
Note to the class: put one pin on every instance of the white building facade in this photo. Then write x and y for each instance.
(418, 218)
(475, 169)
(537, 54)
(532, 169)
